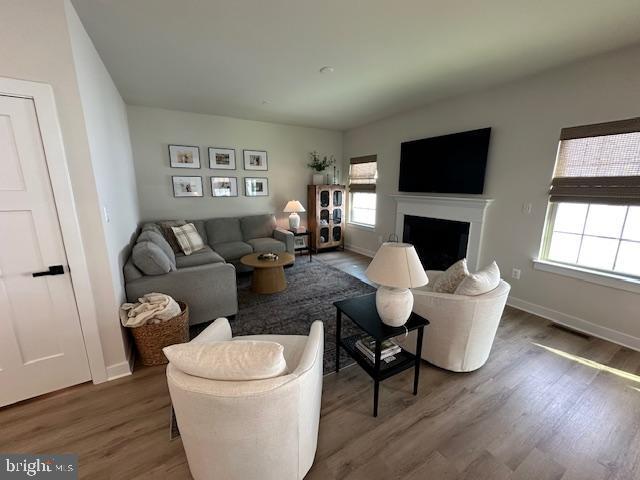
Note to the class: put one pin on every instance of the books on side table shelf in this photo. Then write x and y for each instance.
(367, 346)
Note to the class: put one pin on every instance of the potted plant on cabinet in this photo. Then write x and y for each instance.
(319, 165)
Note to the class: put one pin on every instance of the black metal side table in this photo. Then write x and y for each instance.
(362, 311)
(308, 248)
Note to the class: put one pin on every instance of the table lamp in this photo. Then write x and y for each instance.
(293, 207)
(396, 268)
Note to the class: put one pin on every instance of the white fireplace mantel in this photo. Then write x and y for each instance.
(462, 209)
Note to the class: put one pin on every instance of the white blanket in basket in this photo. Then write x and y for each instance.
(151, 308)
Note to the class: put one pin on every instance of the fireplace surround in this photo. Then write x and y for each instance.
(471, 210)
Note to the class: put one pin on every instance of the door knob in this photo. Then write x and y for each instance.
(53, 270)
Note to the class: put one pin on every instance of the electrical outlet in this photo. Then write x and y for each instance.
(527, 208)
(107, 217)
(515, 273)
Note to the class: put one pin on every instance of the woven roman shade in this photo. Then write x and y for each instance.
(599, 164)
(363, 172)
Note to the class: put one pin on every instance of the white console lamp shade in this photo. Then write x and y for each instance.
(293, 207)
(396, 268)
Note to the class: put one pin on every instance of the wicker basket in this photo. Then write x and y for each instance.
(152, 338)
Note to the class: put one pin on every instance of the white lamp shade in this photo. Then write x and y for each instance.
(293, 206)
(397, 265)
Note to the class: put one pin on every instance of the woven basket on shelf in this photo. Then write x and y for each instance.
(152, 338)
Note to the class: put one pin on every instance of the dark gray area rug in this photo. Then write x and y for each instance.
(313, 287)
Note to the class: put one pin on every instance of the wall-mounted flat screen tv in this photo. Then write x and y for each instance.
(452, 163)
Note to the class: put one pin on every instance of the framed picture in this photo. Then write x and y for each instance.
(222, 158)
(256, 187)
(184, 156)
(255, 160)
(224, 186)
(300, 242)
(187, 186)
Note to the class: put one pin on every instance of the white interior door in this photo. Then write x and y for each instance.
(41, 343)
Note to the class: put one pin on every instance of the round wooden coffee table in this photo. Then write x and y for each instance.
(268, 276)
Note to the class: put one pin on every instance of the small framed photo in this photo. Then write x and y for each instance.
(300, 242)
(187, 186)
(256, 187)
(184, 156)
(224, 186)
(222, 158)
(255, 160)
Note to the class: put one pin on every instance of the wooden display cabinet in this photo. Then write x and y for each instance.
(326, 205)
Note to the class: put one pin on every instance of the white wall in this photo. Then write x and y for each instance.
(105, 117)
(36, 46)
(288, 147)
(526, 117)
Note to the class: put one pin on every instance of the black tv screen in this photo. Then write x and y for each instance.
(447, 164)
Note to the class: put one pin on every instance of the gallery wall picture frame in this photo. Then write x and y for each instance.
(255, 160)
(222, 158)
(256, 186)
(224, 186)
(184, 156)
(187, 186)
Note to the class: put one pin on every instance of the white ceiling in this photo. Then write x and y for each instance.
(227, 57)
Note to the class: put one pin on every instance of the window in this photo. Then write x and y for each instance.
(594, 211)
(363, 173)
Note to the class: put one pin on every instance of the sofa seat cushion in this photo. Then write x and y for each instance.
(230, 361)
(201, 257)
(232, 250)
(258, 226)
(262, 245)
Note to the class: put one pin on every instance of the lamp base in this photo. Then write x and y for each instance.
(294, 221)
(394, 305)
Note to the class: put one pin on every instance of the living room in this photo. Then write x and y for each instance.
(164, 147)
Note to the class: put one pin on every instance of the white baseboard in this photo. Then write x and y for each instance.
(122, 369)
(576, 323)
(361, 251)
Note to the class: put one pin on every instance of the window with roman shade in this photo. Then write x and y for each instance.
(363, 173)
(599, 163)
(593, 220)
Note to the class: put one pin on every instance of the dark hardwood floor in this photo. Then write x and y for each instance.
(548, 404)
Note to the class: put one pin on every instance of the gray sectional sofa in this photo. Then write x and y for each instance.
(206, 279)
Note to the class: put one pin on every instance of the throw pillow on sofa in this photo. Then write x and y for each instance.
(235, 360)
(168, 234)
(448, 281)
(480, 282)
(188, 237)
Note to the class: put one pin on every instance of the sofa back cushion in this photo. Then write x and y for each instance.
(237, 360)
(257, 226)
(150, 259)
(223, 230)
(167, 233)
(160, 241)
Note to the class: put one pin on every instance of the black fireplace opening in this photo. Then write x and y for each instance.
(439, 243)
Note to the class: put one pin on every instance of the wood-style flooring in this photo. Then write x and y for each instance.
(548, 404)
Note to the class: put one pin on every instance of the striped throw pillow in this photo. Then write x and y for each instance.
(188, 238)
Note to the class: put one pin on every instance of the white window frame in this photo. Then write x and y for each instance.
(609, 278)
(360, 224)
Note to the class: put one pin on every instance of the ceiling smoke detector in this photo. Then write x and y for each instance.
(327, 69)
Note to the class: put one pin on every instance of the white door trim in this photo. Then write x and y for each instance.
(47, 114)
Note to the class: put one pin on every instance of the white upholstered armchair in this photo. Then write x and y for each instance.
(256, 429)
(462, 328)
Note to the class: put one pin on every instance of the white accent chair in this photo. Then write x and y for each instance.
(462, 328)
(258, 429)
